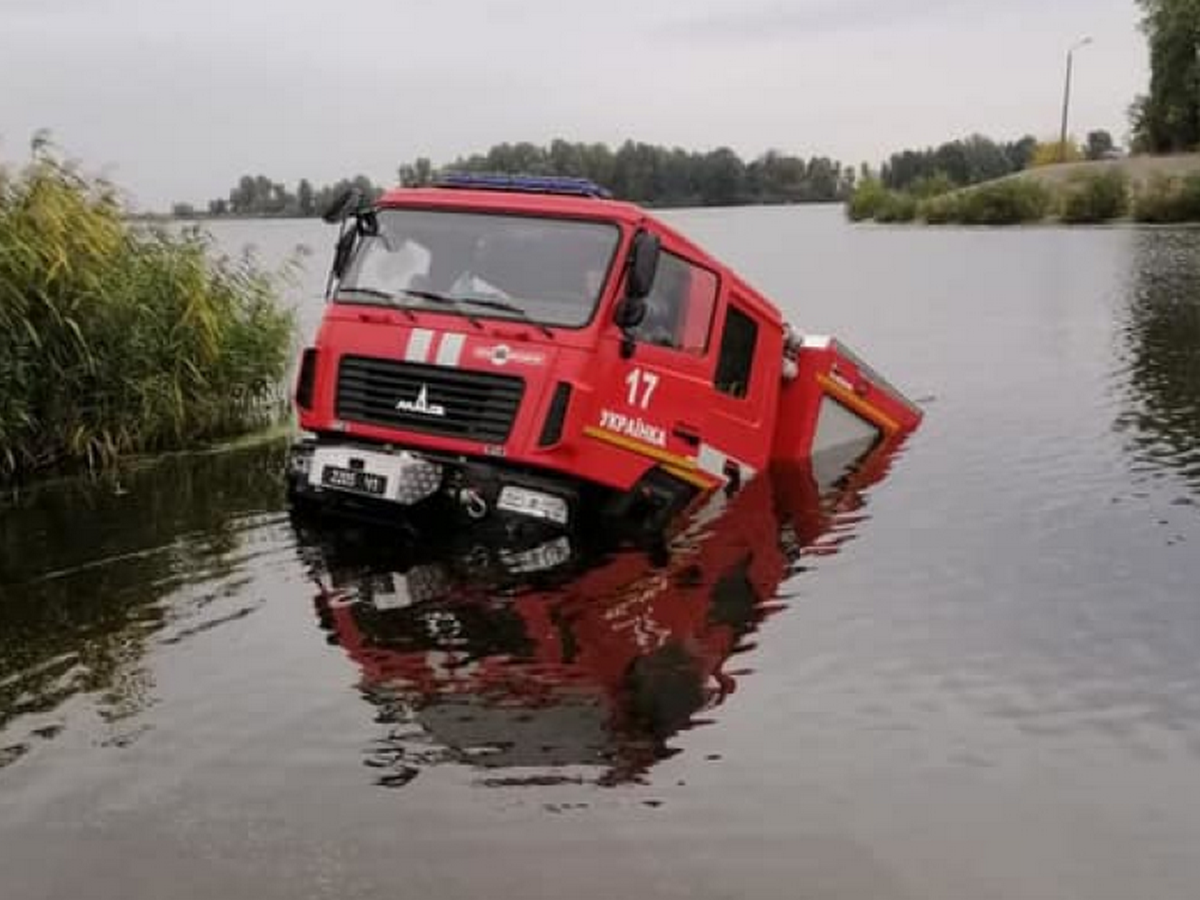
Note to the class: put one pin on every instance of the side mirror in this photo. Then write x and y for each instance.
(341, 255)
(368, 223)
(643, 264)
(344, 204)
(629, 313)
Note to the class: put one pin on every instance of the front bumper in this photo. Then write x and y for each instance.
(380, 481)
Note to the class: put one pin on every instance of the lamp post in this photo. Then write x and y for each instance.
(1062, 143)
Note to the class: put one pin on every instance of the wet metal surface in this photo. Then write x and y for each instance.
(968, 670)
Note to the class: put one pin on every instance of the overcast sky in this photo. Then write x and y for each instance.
(176, 100)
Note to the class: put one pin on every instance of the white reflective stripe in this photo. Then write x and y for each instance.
(450, 350)
(816, 341)
(713, 461)
(418, 345)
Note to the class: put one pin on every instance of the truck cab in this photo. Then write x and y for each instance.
(531, 351)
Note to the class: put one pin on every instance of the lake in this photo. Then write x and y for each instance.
(971, 675)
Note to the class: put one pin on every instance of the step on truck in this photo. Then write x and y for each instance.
(529, 353)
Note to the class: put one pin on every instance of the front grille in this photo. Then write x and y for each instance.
(473, 406)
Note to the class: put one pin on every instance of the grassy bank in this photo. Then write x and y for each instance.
(1141, 189)
(118, 339)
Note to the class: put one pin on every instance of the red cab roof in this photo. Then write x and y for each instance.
(574, 207)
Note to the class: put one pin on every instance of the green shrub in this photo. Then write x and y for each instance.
(1090, 197)
(928, 186)
(116, 340)
(1009, 202)
(866, 200)
(897, 207)
(940, 210)
(1168, 200)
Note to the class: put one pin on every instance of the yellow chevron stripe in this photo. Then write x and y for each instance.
(628, 443)
(681, 467)
(857, 404)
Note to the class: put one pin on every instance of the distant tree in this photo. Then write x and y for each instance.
(962, 162)
(567, 159)
(823, 177)
(1168, 118)
(278, 200)
(183, 211)
(849, 180)
(417, 174)
(722, 178)
(1020, 153)
(305, 198)
(1099, 144)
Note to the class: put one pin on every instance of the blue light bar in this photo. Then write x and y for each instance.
(528, 184)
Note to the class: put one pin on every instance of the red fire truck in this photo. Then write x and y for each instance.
(531, 663)
(528, 350)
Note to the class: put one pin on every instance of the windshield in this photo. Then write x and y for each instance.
(549, 271)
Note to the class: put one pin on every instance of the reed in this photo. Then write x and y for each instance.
(1094, 197)
(119, 339)
(1169, 200)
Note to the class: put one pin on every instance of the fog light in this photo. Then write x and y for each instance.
(301, 460)
(533, 503)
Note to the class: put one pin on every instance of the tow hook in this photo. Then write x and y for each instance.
(473, 503)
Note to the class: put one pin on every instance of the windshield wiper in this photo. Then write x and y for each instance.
(505, 306)
(381, 295)
(370, 292)
(444, 299)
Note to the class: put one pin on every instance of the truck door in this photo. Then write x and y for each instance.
(658, 398)
(744, 390)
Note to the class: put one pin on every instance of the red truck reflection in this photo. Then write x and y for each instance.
(548, 663)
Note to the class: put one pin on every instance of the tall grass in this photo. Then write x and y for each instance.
(1007, 202)
(1085, 197)
(118, 340)
(1169, 200)
(1094, 197)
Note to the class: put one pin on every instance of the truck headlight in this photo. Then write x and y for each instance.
(300, 459)
(536, 504)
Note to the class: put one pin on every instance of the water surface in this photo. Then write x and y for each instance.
(968, 671)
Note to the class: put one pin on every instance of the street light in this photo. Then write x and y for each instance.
(1062, 143)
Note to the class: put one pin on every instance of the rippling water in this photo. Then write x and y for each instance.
(968, 670)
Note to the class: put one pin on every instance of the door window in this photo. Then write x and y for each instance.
(679, 310)
(737, 353)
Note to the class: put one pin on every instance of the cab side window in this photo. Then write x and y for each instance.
(679, 310)
(736, 361)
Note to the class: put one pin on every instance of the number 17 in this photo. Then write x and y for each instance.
(643, 383)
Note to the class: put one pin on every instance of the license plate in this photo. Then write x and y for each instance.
(355, 480)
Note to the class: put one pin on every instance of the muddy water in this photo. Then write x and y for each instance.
(968, 670)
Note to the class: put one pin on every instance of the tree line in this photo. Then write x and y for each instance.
(977, 158)
(656, 175)
(643, 173)
(258, 195)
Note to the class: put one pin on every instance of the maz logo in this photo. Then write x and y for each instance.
(421, 406)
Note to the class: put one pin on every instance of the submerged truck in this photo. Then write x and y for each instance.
(530, 352)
